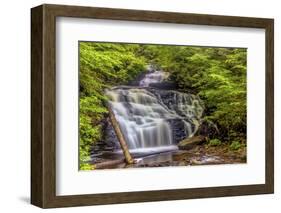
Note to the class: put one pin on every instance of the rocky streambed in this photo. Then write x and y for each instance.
(198, 155)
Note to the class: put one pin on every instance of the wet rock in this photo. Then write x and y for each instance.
(190, 143)
(195, 162)
(182, 163)
(164, 85)
(208, 129)
(109, 142)
(178, 130)
(137, 80)
(110, 139)
(184, 104)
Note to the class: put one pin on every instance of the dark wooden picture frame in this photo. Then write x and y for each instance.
(43, 105)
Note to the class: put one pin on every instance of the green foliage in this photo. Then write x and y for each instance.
(215, 142)
(102, 65)
(86, 166)
(218, 75)
(235, 145)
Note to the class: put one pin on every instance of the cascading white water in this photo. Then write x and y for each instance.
(153, 77)
(141, 117)
(145, 116)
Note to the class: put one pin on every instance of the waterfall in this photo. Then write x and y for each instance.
(153, 77)
(151, 118)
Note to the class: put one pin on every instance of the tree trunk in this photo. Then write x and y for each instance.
(120, 136)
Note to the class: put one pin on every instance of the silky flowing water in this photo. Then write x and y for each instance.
(149, 117)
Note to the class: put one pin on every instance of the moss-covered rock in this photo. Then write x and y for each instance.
(189, 143)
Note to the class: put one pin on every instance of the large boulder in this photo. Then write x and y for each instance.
(178, 129)
(189, 143)
(208, 129)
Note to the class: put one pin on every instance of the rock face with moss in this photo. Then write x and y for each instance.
(190, 143)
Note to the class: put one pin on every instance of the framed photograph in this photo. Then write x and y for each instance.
(136, 106)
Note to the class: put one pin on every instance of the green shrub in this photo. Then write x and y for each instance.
(235, 145)
(86, 166)
(215, 142)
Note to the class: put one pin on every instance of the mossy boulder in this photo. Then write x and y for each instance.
(189, 143)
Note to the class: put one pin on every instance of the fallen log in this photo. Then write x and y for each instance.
(120, 136)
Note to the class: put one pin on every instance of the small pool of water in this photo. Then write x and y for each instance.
(150, 150)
